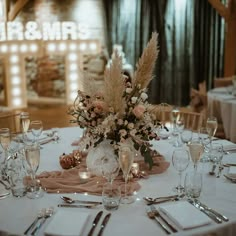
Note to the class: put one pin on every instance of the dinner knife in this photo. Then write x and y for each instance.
(104, 223)
(76, 206)
(95, 222)
(213, 211)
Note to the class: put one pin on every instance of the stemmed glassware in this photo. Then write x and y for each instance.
(32, 156)
(186, 136)
(205, 140)
(36, 128)
(196, 150)
(180, 161)
(211, 125)
(110, 168)
(25, 121)
(126, 158)
(5, 139)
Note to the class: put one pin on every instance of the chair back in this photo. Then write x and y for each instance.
(163, 113)
(223, 82)
(11, 120)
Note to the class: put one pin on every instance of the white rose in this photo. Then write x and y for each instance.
(130, 126)
(134, 99)
(144, 96)
(128, 90)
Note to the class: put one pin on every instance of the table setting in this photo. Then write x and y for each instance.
(113, 174)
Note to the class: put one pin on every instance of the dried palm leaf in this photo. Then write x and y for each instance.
(145, 66)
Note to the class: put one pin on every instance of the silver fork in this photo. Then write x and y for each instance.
(156, 212)
(48, 213)
(39, 216)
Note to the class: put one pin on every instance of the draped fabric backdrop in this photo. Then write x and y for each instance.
(191, 41)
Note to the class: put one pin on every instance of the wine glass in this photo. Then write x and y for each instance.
(36, 128)
(25, 121)
(205, 140)
(126, 158)
(216, 156)
(5, 138)
(110, 168)
(196, 150)
(32, 156)
(186, 136)
(211, 125)
(178, 130)
(180, 161)
(174, 115)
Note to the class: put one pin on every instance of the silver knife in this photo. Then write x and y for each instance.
(76, 206)
(208, 213)
(213, 211)
(95, 222)
(104, 223)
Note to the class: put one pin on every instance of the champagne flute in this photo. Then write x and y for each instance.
(196, 150)
(36, 128)
(205, 140)
(174, 115)
(32, 156)
(186, 136)
(126, 158)
(5, 139)
(25, 121)
(180, 161)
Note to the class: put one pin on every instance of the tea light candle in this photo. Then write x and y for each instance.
(84, 174)
(135, 168)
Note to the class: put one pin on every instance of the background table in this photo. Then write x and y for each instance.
(222, 105)
(218, 193)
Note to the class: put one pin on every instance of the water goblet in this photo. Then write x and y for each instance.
(211, 125)
(126, 158)
(180, 161)
(205, 140)
(5, 138)
(36, 128)
(32, 156)
(216, 156)
(196, 150)
(110, 168)
(186, 136)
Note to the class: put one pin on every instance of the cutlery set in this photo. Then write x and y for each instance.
(39, 221)
(95, 223)
(158, 200)
(214, 215)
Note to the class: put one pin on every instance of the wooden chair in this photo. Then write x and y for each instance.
(11, 120)
(223, 82)
(163, 113)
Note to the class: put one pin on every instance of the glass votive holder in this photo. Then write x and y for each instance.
(193, 184)
(111, 196)
(84, 174)
(135, 168)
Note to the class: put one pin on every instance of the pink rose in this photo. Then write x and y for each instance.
(99, 107)
(139, 110)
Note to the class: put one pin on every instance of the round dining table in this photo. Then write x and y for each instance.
(222, 105)
(16, 214)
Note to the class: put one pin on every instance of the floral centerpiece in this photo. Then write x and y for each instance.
(120, 112)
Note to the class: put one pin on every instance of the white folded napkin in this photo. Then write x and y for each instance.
(185, 215)
(67, 223)
(232, 172)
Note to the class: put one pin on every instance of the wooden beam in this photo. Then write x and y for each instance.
(220, 8)
(16, 9)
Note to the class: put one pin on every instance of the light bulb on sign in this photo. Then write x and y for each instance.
(23, 48)
(15, 70)
(73, 66)
(62, 46)
(4, 48)
(93, 46)
(14, 59)
(15, 91)
(82, 46)
(72, 57)
(51, 47)
(17, 101)
(15, 80)
(73, 76)
(73, 95)
(14, 48)
(33, 47)
(72, 46)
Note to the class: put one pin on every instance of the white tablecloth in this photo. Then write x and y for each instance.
(17, 214)
(222, 104)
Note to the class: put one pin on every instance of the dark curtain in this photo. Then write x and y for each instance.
(191, 41)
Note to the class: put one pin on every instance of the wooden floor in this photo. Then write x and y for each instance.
(51, 117)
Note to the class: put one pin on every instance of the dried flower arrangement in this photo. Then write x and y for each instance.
(120, 112)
